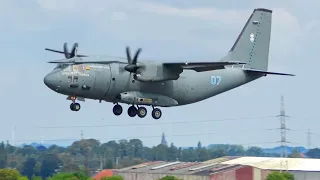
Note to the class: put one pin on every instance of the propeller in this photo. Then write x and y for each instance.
(73, 52)
(132, 66)
(67, 54)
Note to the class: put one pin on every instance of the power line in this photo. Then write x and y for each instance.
(145, 137)
(156, 124)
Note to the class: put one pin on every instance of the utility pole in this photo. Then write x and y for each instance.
(13, 134)
(309, 139)
(283, 139)
(81, 134)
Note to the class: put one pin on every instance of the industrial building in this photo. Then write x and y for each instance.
(225, 168)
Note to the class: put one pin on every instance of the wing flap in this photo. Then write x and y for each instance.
(267, 72)
(202, 66)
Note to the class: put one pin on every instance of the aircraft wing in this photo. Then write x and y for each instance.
(76, 60)
(201, 66)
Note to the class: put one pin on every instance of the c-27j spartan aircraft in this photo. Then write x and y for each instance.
(163, 84)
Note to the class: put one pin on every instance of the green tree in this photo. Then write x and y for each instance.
(11, 174)
(280, 176)
(295, 153)
(254, 151)
(170, 178)
(3, 156)
(69, 176)
(288, 176)
(314, 153)
(49, 165)
(112, 178)
(275, 176)
(28, 167)
(36, 178)
(23, 178)
(27, 150)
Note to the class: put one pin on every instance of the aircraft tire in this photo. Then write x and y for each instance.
(71, 107)
(156, 113)
(132, 111)
(117, 110)
(75, 106)
(142, 112)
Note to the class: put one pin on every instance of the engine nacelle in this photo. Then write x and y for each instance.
(140, 98)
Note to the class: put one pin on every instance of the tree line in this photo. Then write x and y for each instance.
(90, 156)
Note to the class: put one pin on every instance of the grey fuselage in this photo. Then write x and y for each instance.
(107, 81)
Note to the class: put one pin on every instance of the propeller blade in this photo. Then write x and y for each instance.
(128, 55)
(135, 59)
(66, 51)
(74, 50)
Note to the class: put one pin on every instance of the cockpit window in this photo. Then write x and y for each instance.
(61, 66)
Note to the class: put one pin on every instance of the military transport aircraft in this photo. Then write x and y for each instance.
(163, 84)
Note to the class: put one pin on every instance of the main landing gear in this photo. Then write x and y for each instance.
(140, 111)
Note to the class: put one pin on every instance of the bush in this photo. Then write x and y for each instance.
(112, 178)
(170, 178)
(280, 176)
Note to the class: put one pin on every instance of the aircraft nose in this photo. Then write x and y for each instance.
(51, 81)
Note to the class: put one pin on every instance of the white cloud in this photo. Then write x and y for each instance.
(228, 17)
(119, 16)
(149, 21)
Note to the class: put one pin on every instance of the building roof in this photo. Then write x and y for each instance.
(103, 173)
(178, 167)
(222, 164)
(271, 163)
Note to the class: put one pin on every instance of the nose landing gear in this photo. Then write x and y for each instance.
(74, 106)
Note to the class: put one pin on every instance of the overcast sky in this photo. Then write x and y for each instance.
(168, 30)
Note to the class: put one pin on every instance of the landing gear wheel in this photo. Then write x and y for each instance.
(142, 112)
(117, 110)
(75, 106)
(132, 111)
(156, 113)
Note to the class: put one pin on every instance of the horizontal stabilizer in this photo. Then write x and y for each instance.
(266, 72)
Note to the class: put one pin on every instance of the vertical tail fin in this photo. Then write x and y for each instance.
(252, 45)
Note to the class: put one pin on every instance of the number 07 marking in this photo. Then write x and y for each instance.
(215, 80)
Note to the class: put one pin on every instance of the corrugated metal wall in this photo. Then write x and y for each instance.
(300, 175)
(245, 173)
(230, 175)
